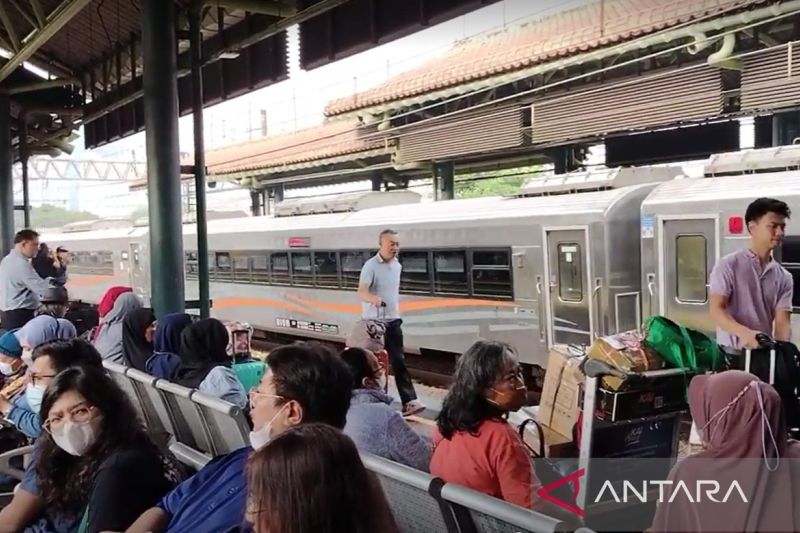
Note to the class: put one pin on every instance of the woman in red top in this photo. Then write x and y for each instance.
(474, 445)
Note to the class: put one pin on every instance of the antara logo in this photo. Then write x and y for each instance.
(668, 492)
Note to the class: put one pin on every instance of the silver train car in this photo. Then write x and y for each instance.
(567, 260)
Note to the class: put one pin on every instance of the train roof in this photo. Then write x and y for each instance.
(597, 202)
(745, 186)
(114, 233)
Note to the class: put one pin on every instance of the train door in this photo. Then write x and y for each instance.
(529, 290)
(136, 269)
(569, 295)
(687, 253)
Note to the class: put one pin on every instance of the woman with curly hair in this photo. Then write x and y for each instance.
(96, 469)
(474, 445)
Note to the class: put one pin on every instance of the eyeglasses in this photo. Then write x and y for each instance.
(39, 379)
(513, 375)
(254, 395)
(79, 414)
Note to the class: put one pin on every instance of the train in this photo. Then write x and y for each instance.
(566, 260)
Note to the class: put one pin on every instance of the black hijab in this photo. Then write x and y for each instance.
(136, 349)
(204, 346)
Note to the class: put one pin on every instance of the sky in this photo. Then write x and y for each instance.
(297, 102)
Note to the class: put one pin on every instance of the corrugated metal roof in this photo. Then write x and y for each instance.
(599, 24)
(311, 144)
(771, 79)
(638, 102)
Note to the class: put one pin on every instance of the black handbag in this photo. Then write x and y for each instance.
(546, 469)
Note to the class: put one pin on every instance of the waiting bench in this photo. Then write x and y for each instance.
(197, 427)
(202, 427)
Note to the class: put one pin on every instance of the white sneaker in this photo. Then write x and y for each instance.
(413, 407)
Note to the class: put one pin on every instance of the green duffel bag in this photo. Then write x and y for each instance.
(681, 347)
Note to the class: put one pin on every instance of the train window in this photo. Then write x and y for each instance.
(790, 259)
(301, 269)
(491, 274)
(415, 276)
(260, 266)
(691, 268)
(241, 268)
(450, 273)
(224, 270)
(352, 262)
(279, 265)
(570, 275)
(326, 270)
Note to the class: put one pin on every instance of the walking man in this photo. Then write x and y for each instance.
(20, 285)
(379, 291)
(750, 292)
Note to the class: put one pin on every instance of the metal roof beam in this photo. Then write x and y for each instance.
(27, 16)
(57, 20)
(9, 27)
(261, 7)
(38, 12)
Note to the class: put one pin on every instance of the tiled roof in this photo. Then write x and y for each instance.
(591, 26)
(318, 143)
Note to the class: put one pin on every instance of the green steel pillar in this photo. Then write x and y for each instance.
(6, 178)
(159, 49)
(444, 180)
(196, 39)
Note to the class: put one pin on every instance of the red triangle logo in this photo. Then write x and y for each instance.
(575, 480)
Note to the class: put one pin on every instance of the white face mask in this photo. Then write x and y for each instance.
(34, 395)
(261, 437)
(6, 369)
(75, 439)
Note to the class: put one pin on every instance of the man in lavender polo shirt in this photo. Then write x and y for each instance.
(750, 292)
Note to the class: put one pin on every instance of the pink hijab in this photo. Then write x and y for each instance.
(741, 424)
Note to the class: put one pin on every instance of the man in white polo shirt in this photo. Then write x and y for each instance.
(379, 291)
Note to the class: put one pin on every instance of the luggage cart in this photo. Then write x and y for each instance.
(638, 428)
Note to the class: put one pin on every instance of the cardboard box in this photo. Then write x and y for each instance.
(625, 352)
(559, 406)
(555, 444)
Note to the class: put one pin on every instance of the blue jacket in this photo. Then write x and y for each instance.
(213, 500)
(24, 418)
(378, 429)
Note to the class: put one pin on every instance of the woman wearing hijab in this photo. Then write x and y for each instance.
(741, 426)
(23, 410)
(137, 337)
(106, 304)
(167, 345)
(206, 365)
(109, 339)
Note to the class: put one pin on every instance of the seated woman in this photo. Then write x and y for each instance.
(95, 469)
(109, 338)
(331, 491)
(205, 364)
(475, 446)
(138, 330)
(166, 345)
(105, 305)
(40, 330)
(22, 409)
(373, 425)
(743, 433)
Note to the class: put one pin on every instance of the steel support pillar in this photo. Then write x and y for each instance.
(377, 183)
(159, 50)
(6, 178)
(444, 180)
(278, 192)
(24, 155)
(256, 203)
(196, 39)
